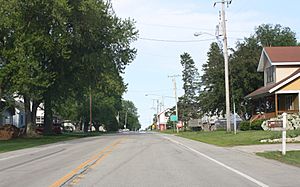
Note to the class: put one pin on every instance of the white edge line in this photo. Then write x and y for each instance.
(220, 163)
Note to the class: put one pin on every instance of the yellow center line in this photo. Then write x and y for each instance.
(104, 152)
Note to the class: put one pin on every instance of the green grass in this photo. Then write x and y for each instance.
(291, 157)
(21, 143)
(222, 138)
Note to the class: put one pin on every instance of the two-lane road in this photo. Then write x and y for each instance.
(141, 160)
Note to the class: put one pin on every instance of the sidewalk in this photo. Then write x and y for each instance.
(266, 147)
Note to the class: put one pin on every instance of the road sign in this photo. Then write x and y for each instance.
(173, 118)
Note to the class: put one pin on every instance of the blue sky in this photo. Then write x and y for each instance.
(178, 20)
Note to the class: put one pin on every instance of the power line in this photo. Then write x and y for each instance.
(175, 41)
(188, 28)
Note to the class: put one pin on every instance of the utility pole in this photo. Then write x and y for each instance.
(175, 94)
(225, 51)
(91, 119)
(157, 112)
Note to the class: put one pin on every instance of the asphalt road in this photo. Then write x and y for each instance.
(141, 160)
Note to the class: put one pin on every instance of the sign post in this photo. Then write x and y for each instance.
(284, 115)
(174, 119)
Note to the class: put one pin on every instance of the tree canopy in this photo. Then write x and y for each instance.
(188, 105)
(59, 52)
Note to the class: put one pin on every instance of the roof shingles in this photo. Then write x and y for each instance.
(283, 54)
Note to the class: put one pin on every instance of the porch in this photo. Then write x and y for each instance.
(271, 106)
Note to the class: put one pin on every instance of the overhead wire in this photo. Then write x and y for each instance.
(175, 41)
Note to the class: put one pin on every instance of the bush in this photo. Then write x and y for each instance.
(256, 125)
(245, 126)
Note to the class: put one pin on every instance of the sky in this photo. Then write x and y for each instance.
(166, 30)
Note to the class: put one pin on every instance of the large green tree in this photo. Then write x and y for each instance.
(188, 105)
(62, 50)
(212, 94)
(129, 115)
(31, 41)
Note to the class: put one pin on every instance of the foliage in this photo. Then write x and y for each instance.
(60, 52)
(245, 126)
(275, 35)
(256, 125)
(188, 106)
(212, 95)
(130, 115)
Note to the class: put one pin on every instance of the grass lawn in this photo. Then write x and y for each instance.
(222, 138)
(291, 157)
(21, 143)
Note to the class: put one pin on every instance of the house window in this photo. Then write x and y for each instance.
(270, 74)
(289, 102)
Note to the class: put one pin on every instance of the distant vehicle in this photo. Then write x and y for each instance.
(123, 130)
(68, 126)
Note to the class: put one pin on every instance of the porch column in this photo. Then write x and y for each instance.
(298, 102)
(276, 104)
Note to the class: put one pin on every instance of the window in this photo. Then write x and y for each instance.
(289, 102)
(270, 74)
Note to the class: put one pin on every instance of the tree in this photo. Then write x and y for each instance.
(52, 49)
(30, 41)
(130, 115)
(269, 35)
(188, 105)
(212, 95)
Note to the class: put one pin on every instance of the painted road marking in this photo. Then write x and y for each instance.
(79, 170)
(220, 163)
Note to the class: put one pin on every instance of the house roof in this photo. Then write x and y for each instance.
(286, 55)
(270, 88)
(283, 54)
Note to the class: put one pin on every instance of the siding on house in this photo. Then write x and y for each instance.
(282, 72)
(293, 86)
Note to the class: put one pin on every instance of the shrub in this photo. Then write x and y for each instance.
(256, 125)
(245, 126)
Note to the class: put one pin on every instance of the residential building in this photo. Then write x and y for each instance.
(280, 93)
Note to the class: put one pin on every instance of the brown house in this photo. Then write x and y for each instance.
(281, 91)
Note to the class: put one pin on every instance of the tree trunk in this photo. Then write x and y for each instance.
(48, 115)
(85, 126)
(35, 105)
(97, 125)
(29, 125)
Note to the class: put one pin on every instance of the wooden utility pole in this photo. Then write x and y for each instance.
(225, 51)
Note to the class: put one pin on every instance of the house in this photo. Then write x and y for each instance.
(280, 93)
(162, 120)
(6, 114)
(19, 116)
(13, 114)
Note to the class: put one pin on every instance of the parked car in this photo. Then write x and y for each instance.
(68, 126)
